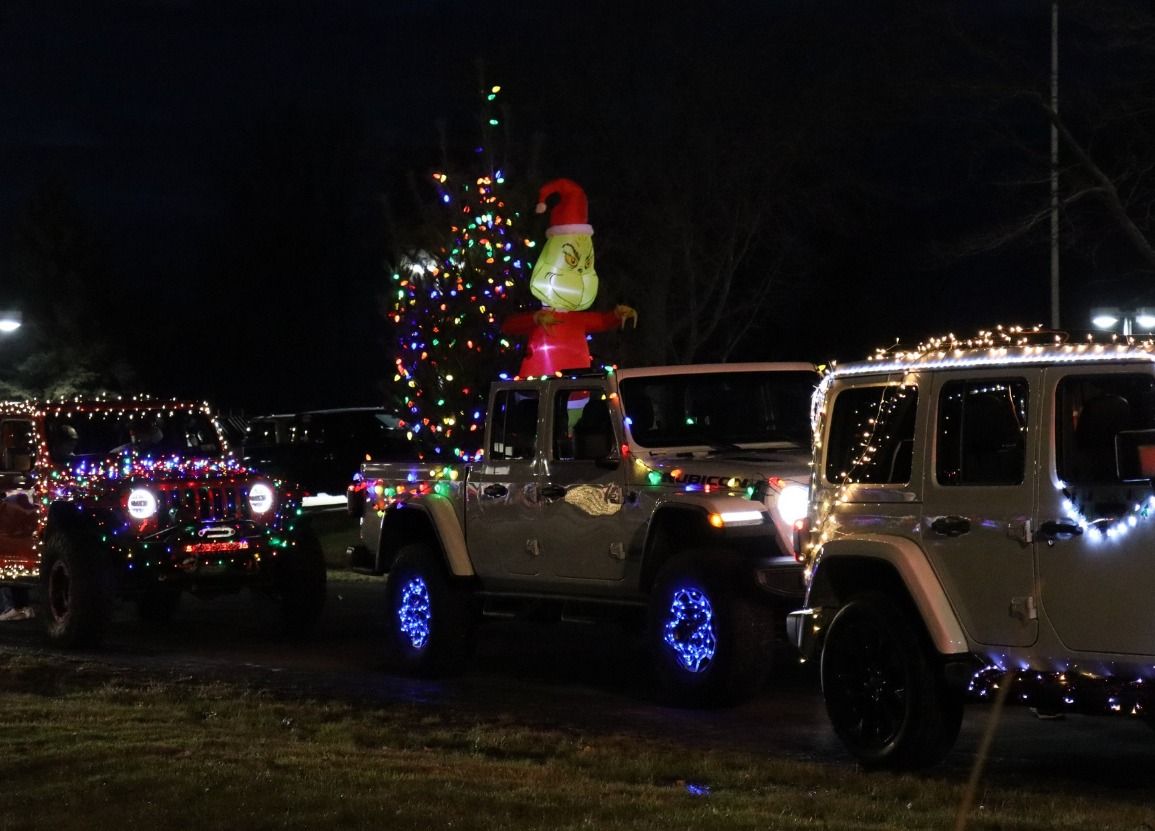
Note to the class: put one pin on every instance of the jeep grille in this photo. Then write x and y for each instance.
(205, 501)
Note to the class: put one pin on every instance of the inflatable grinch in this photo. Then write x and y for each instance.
(565, 282)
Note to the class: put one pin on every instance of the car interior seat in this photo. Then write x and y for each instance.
(593, 431)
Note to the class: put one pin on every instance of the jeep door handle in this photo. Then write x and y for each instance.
(494, 491)
(951, 526)
(552, 492)
(1058, 530)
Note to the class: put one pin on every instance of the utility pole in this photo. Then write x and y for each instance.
(1054, 164)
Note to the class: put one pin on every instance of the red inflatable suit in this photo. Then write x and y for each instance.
(557, 340)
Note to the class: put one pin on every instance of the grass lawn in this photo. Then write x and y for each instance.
(83, 745)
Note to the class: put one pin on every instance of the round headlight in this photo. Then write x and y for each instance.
(141, 504)
(792, 503)
(260, 498)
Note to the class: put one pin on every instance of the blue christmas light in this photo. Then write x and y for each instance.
(689, 629)
(413, 613)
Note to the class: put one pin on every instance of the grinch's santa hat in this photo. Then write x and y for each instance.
(571, 213)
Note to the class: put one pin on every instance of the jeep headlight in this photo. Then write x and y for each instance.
(261, 498)
(792, 503)
(141, 504)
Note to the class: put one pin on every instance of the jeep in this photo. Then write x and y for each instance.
(981, 513)
(142, 500)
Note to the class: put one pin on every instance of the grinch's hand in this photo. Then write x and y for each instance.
(545, 319)
(625, 313)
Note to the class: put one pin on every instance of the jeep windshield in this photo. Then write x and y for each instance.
(91, 435)
(719, 410)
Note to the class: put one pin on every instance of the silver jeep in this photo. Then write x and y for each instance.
(981, 512)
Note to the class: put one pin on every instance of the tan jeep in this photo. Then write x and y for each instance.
(980, 506)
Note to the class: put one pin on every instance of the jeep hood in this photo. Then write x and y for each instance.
(747, 466)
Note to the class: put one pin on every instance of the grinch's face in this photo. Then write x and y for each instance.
(564, 277)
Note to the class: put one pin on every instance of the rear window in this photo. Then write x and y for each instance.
(1091, 412)
(872, 435)
(513, 424)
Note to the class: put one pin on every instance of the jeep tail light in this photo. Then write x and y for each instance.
(801, 534)
(261, 499)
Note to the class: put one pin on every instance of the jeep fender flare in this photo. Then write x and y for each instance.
(433, 517)
(682, 522)
(67, 516)
(840, 561)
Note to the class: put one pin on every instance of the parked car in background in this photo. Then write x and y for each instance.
(321, 450)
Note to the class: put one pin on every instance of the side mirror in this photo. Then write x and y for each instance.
(1135, 455)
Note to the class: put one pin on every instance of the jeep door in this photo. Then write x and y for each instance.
(502, 511)
(1096, 572)
(582, 533)
(17, 496)
(979, 500)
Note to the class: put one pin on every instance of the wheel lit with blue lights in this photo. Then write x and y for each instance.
(689, 629)
(413, 613)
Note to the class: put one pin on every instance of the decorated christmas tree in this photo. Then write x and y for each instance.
(448, 297)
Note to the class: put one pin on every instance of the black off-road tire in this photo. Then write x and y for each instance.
(302, 584)
(694, 674)
(429, 615)
(884, 691)
(78, 591)
(158, 604)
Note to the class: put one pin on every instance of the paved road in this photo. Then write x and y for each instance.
(585, 677)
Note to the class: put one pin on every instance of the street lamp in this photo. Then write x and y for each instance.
(10, 321)
(1132, 320)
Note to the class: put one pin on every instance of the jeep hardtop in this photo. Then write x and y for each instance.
(981, 513)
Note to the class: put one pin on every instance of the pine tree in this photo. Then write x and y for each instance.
(449, 297)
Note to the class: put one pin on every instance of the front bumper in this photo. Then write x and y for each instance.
(219, 553)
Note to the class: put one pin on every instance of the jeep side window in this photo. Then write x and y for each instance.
(981, 432)
(19, 445)
(872, 435)
(513, 425)
(1090, 412)
(582, 427)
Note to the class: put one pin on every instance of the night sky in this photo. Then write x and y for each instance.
(241, 166)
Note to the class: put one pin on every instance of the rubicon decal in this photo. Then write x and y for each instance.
(718, 481)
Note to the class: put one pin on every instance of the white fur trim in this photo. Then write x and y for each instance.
(576, 228)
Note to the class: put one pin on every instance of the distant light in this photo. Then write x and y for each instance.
(1104, 321)
(10, 322)
(1145, 321)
